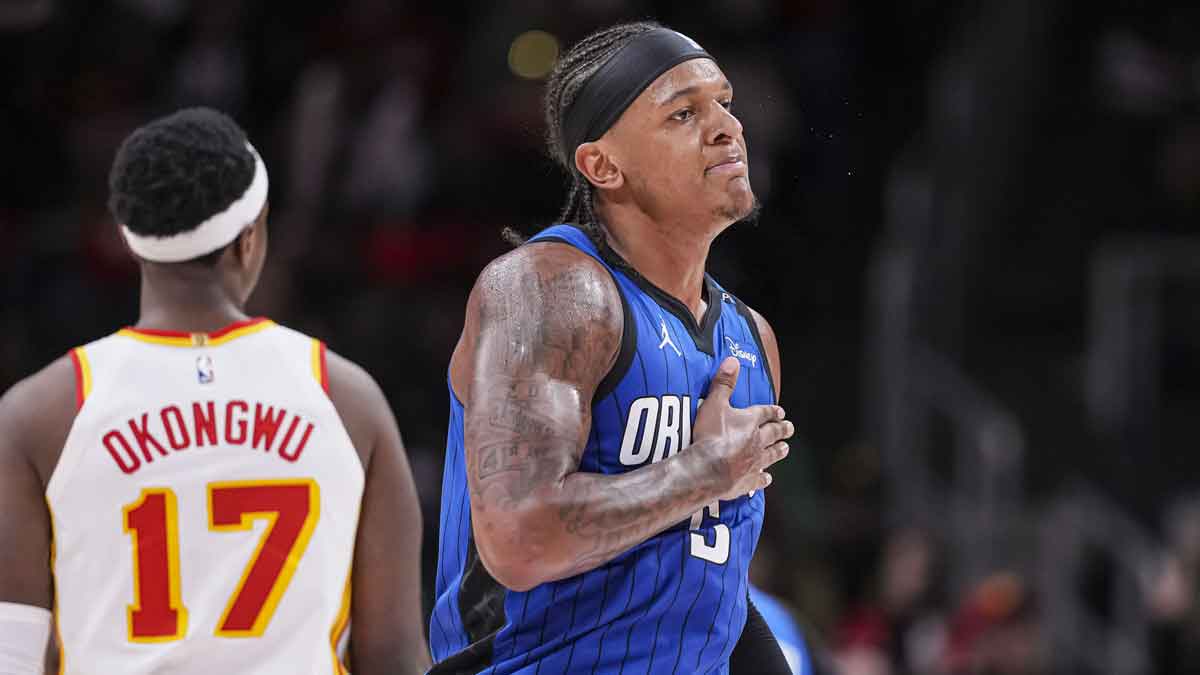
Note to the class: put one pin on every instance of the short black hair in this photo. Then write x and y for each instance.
(570, 73)
(175, 172)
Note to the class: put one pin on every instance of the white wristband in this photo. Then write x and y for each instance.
(24, 632)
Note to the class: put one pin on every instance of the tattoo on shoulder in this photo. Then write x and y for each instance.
(551, 333)
(559, 321)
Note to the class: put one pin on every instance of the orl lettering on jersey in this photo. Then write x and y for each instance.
(657, 427)
(673, 603)
(148, 436)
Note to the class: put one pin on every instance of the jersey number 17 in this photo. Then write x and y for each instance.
(291, 508)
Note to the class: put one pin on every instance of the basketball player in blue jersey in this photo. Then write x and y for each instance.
(596, 517)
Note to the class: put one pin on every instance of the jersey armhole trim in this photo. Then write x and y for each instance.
(320, 369)
(83, 376)
(340, 623)
(748, 316)
(628, 328)
(628, 348)
(62, 649)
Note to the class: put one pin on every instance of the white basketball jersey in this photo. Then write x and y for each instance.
(205, 507)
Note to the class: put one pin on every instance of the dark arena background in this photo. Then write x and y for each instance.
(978, 248)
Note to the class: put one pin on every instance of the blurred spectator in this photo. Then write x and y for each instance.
(899, 624)
(995, 631)
(1025, 134)
(1174, 594)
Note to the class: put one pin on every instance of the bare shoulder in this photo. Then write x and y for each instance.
(360, 403)
(771, 345)
(36, 415)
(545, 307)
(548, 277)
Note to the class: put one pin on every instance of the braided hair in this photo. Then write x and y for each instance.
(569, 76)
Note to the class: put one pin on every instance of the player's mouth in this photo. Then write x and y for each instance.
(731, 165)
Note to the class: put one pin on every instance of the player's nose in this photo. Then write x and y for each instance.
(725, 126)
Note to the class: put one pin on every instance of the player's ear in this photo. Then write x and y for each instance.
(243, 246)
(251, 239)
(597, 166)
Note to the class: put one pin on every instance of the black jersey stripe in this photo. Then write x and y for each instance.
(571, 621)
(632, 589)
(599, 616)
(628, 329)
(720, 607)
(748, 316)
(445, 524)
(683, 556)
(742, 592)
(753, 375)
(542, 629)
(629, 630)
(688, 615)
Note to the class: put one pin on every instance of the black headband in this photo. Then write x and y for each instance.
(612, 88)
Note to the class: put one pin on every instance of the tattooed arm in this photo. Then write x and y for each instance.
(543, 328)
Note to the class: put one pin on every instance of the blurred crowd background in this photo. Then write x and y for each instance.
(978, 251)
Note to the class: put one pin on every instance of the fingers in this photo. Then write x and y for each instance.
(724, 381)
(768, 413)
(775, 453)
(764, 479)
(773, 432)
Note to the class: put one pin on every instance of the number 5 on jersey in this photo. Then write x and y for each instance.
(718, 551)
(291, 509)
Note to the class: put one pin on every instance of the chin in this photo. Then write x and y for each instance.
(743, 206)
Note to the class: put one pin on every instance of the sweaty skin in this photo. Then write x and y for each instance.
(671, 175)
(543, 327)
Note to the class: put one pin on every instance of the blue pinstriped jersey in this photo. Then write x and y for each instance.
(675, 603)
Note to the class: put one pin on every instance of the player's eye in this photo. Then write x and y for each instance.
(683, 115)
(727, 104)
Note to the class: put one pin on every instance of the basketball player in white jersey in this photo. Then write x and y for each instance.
(204, 492)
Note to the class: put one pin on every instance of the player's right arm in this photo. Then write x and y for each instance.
(543, 328)
(387, 629)
(35, 416)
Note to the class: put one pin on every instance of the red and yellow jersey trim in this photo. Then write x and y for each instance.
(62, 650)
(173, 338)
(339, 627)
(319, 367)
(83, 376)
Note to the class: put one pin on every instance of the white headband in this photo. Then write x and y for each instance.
(210, 235)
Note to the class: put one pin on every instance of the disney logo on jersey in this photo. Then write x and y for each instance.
(736, 350)
(657, 427)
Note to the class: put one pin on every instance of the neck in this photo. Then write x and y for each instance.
(186, 300)
(670, 255)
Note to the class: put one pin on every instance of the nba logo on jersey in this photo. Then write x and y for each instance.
(225, 544)
(673, 604)
(204, 369)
